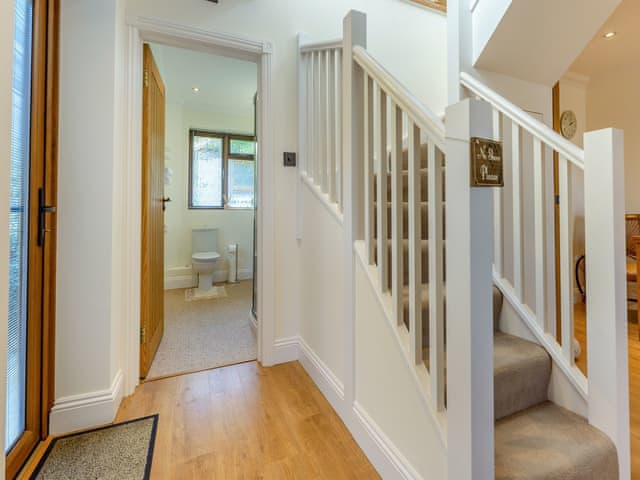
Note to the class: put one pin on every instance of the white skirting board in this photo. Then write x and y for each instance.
(86, 410)
(183, 278)
(379, 449)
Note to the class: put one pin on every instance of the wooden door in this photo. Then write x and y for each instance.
(152, 268)
(32, 223)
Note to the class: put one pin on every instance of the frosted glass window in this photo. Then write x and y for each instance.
(241, 183)
(206, 171)
(18, 223)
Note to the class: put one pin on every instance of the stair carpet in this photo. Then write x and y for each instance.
(535, 439)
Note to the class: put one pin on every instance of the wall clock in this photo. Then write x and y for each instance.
(568, 124)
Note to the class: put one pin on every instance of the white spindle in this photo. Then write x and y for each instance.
(368, 168)
(322, 133)
(415, 246)
(517, 210)
(436, 286)
(539, 233)
(497, 205)
(337, 127)
(383, 185)
(330, 127)
(397, 260)
(566, 258)
(313, 173)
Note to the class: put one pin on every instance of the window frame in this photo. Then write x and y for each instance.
(226, 156)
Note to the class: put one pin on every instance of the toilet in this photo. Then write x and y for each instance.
(204, 256)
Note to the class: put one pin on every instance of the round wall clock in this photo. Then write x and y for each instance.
(568, 124)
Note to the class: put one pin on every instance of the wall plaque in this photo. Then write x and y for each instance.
(486, 163)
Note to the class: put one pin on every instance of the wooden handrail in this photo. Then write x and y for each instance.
(538, 129)
(440, 5)
(407, 101)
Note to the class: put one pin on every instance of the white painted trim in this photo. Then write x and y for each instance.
(86, 410)
(473, 5)
(574, 375)
(331, 207)
(144, 29)
(285, 350)
(381, 451)
(330, 385)
(181, 277)
(532, 125)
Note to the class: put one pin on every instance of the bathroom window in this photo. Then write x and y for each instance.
(222, 170)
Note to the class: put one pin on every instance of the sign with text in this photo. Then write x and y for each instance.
(486, 163)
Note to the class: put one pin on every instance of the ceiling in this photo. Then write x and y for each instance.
(602, 54)
(225, 84)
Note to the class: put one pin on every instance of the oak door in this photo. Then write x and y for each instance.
(152, 267)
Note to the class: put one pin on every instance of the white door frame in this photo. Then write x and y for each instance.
(145, 29)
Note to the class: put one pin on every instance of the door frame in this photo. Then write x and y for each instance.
(142, 30)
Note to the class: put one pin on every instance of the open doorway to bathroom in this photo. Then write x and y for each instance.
(206, 202)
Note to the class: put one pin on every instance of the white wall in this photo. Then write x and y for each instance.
(612, 101)
(6, 59)
(87, 320)
(386, 389)
(323, 267)
(235, 226)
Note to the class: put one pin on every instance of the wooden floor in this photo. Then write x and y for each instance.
(634, 380)
(246, 422)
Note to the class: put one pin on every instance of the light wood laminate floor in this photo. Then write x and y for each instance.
(634, 379)
(246, 422)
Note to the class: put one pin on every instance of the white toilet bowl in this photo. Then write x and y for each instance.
(204, 264)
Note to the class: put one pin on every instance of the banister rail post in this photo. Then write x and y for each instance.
(354, 34)
(469, 255)
(607, 289)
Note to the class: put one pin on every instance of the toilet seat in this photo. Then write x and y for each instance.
(205, 256)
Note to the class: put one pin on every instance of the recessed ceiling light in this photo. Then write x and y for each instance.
(609, 35)
(195, 89)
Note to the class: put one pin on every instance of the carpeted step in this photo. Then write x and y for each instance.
(424, 219)
(521, 374)
(551, 443)
(424, 294)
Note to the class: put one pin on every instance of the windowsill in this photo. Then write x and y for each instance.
(222, 209)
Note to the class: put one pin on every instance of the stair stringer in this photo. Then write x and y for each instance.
(567, 385)
(388, 386)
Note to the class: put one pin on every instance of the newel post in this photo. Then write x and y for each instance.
(469, 255)
(607, 289)
(354, 33)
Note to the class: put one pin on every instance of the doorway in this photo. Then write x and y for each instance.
(32, 221)
(199, 165)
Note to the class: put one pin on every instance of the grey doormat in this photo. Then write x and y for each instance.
(122, 451)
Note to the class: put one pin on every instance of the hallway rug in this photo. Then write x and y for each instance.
(122, 451)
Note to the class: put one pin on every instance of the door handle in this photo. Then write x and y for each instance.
(164, 203)
(42, 210)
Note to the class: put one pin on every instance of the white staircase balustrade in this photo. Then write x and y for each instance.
(602, 167)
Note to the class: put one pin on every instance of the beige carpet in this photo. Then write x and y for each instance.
(206, 333)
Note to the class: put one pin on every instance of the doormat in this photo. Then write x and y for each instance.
(193, 294)
(122, 451)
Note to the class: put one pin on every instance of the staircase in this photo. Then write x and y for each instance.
(393, 166)
(534, 438)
